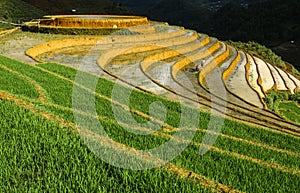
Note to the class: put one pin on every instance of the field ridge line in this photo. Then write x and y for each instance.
(42, 94)
(210, 184)
(168, 130)
(241, 156)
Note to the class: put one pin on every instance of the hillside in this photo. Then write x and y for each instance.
(269, 22)
(129, 113)
(224, 19)
(142, 6)
(18, 11)
(88, 6)
(145, 108)
(272, 23)
(150, 108)
(196, 18)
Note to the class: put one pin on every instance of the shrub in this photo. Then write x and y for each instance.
(274, 98)
(261, 51)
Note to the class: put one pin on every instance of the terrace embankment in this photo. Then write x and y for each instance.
(83, 24)
(174, 52)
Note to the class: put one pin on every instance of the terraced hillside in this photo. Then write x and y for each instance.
(162, 57)
(79, 80)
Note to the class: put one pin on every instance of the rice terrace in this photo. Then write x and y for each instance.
(112, 103)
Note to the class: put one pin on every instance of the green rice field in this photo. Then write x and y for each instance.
(44, 148)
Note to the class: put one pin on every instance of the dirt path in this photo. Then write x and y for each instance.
(15, 48)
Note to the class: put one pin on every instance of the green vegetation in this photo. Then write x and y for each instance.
(295, 71)
(236, 172)
(284, 103)
(290, 110)
(274, 98)
(144, 100)
(41, 155)
(5, 25)
(44, 148)
(16, 85)
(18, 11)
(38, 155)
(259, 50)
(267, 54)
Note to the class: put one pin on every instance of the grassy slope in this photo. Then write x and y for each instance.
(47, 154)
(285, 104)
(290, 110)
(18, 11)
(40, 155)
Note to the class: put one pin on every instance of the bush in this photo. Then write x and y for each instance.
(274, 98)
(295, 97)
(261, 51)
